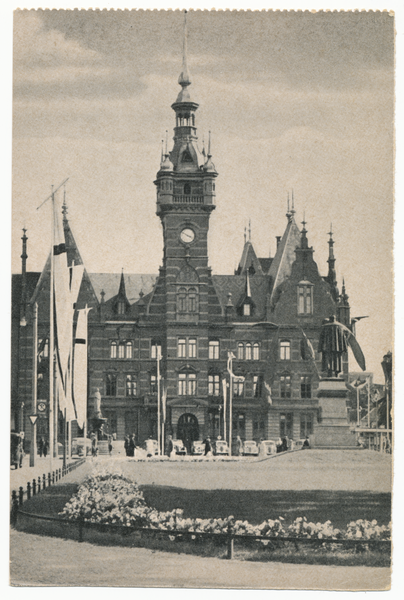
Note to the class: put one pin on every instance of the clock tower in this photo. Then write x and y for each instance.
(185, 198)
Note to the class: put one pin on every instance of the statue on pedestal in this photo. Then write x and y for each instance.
(334, 341)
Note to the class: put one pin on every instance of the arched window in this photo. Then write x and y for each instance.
(284, 350)
(112, 350)
(240, 351)
(129, 352)
(121, 350)
(305, 298)
(182, 300)
(248, 354)
(256, 351)
(286, 386)
(192, 300)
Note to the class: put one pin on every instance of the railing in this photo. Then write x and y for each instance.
(228, 537)
(188, 199)
(37, 485)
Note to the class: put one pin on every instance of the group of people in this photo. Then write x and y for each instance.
(130, 445)
(43, 447)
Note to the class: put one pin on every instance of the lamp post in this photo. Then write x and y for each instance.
(33, 416)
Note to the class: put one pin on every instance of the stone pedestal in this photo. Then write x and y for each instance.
(332, 430)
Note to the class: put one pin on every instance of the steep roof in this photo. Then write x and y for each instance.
(265, 264)
(236, 285)
(134, 284)
(249, 259)
(285, 254)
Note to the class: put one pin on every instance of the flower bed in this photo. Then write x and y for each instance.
(111, 498)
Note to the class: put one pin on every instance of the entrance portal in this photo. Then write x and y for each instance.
(188, 430)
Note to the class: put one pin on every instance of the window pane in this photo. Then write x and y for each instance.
(181, 348)
(256, 352)
(128, 349)
(113, 350)
(192, 348)
(213, 350)
(248, 351)
(121, 351)
(285, 350)
(240, 351)
(247, 310)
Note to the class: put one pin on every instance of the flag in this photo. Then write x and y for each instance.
(269, 393)
(80, 366)
(164, 402)
(224, 386)
(229, 368)
(309, 347)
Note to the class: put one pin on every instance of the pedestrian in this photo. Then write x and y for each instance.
(306, 443)
(45, 447)
(239, 446)
(21, 448)
(170, 447)
(284, 444)
(131, 446)
(279, 445)
(126, 445)
(94, 446)
(208, 447)
(110, 445)
(261, 449)
(40, 446)
(150, 447)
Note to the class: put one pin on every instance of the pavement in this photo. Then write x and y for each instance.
(70, 563)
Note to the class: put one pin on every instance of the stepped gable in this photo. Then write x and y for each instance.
(225, 284)
(285, 256)
(134, 284)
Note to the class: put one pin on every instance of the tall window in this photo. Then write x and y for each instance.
(129, 347)
(258, 429)
(238, 388)
(305, 299)
(256, 351)
(131, 385)
(257, 386)
(246, 309)
(305, 386)
(214, 385)
(248, 351)
(238, 425)
(284, 348)
(187, 300)
(192, 348)
(240, 351)
(286, 425)
(155, 349)
(121, 350)
(182, 348)
(113, 350)
(182, 300)
(121, 308)
(214, 350)
(110, 384)
(186, 384)
(306, 424)
(286, 386)
(192, 300)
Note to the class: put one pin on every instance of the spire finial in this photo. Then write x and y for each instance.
(166, 140)
(245, 235)
(288, 205)
(209, 154)
(162, 150)
(304, 222)
(293, 203)
(249, 230)
(184, 78)
(64, 205)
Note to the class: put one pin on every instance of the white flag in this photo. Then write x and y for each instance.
(80, 366)
(164, 402)
(269, 393)
(230, 370)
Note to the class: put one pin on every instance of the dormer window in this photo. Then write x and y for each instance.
(305, 298)
(121, 308)
(246, 310)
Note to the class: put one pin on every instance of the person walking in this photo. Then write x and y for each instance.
(40, 446)
(110, 445)
(170, 446)
(131, 446)
(208, 447)
(126, 445)
(239, 446)
(45, 448)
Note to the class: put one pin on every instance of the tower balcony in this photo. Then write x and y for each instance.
(188, 199)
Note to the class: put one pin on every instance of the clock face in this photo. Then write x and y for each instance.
(187, 235)
(41, 406)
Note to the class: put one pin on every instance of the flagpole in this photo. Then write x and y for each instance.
(32, 453)
(230, 405)
(357, 407)
(51, 342)
(158, 400)
(368, 402)
(163, 423)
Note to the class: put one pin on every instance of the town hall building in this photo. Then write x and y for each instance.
(268, 314)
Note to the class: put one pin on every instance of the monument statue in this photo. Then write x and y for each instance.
(97, 404)
(334, 341)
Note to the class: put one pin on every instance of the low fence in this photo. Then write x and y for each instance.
(229, 537)
(37, 485)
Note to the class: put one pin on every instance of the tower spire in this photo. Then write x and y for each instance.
(332, 275)
(184, 79)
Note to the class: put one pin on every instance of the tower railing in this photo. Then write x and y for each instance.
(188, 199)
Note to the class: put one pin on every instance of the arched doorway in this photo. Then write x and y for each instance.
(188, 430)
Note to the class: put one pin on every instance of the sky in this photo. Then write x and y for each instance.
(301, 101)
